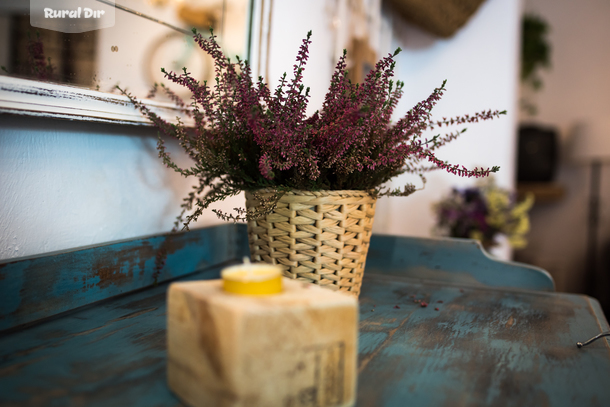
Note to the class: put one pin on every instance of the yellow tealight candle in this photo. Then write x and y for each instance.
(252, 279)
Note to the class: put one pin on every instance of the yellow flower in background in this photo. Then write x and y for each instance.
(520, 225)
(476, 235)
(507, 216)
(523, 207)
(498, 202)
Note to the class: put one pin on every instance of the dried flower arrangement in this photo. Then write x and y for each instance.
(483, 213)
(247, 138)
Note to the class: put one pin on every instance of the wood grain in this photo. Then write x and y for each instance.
(482, 347)
(455, 261)
(43, 286)
(43, 99)
(289, 349)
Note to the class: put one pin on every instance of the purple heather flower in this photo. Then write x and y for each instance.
(248, 136)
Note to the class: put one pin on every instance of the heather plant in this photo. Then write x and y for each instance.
(247, 137)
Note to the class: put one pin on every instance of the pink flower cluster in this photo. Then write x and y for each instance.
(247, 137)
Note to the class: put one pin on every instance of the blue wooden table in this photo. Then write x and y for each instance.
(474, 346)
(472, 343)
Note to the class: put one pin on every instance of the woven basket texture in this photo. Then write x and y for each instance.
(320, 237)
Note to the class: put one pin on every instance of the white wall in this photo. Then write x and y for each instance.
(480, 65)
(67, 184)
(145, 46)
(576, 87)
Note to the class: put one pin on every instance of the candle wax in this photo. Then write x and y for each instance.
(252, 279)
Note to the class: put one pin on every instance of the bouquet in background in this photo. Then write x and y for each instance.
(482, 213)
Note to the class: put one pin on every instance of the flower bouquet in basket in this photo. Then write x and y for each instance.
(311, 182)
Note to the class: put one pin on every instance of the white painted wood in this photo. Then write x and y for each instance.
(34, 98)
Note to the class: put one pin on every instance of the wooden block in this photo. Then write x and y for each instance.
(294, 349)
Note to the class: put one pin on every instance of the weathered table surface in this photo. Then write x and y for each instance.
(481, 347)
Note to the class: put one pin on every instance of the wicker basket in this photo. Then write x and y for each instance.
(320, 237)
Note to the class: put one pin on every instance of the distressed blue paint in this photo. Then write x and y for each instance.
(450, 260)
(38, 287)
(109, 354)
(241, 240)
(369, 341)
(483, 347)
(467, 353)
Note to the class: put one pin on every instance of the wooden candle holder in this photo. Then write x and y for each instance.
(296, 348)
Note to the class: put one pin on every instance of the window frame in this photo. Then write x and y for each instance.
(43, 99)
(52, 100)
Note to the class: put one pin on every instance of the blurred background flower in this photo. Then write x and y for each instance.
(483, 213)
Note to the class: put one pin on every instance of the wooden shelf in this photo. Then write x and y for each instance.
(544, 192)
